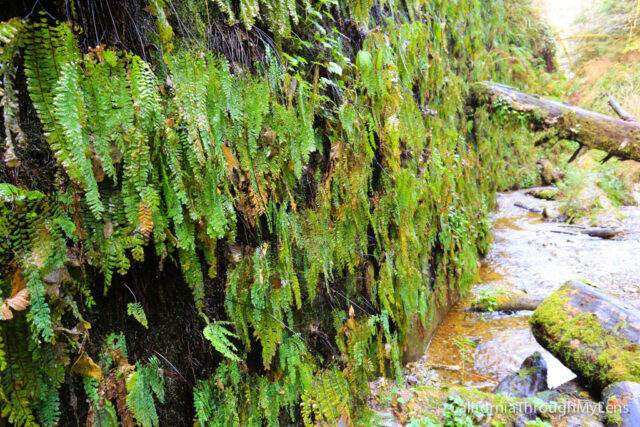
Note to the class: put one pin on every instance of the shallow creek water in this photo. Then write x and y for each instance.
(534, 256)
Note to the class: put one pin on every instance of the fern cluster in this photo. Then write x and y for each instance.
(364, 212)
(278, 14)
(328, 399)
(122, 393)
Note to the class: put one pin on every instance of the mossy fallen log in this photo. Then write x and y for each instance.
(594, 334)
(593, 130)
(550, 193)
(503, 300)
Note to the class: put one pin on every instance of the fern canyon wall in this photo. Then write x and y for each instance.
(238, 212)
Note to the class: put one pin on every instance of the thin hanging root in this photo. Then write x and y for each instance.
(544, 140)
(576, 153)
(606, 159)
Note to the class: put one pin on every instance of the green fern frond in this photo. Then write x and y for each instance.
(135, 309)
(142, 385)
(326, 400)
(316, 203)
(9, 30)
(73, 149)
(218, 335)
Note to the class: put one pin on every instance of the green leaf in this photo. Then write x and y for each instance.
(217, 334)
(135, 309)
(334, 68)
(142, 385)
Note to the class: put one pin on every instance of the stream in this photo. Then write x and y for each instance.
(535, 256)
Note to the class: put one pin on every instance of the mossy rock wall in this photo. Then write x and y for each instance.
(262, 198)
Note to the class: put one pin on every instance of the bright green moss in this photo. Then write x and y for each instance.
(545, 193)
(579, 340)
(614, 416)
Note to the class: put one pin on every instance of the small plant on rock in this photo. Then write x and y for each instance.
(487, 299)
(466, 347)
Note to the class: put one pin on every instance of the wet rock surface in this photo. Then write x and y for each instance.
(545, 193)
(393, 404)
(622, 402)
(529, 380)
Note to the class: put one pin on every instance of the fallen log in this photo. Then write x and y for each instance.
(594, 334)
(544, 193)
(504, 300)
(531, 209)
(624, 115)
(617, 137)
(603, 233)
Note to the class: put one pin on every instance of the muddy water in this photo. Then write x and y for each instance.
(534, 256)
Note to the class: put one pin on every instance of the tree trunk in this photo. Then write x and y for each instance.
(594, 334)
(594, 130)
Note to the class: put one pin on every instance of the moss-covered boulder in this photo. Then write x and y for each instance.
(548, 173)
(545, 193)
(594, 334)
(530, 379)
